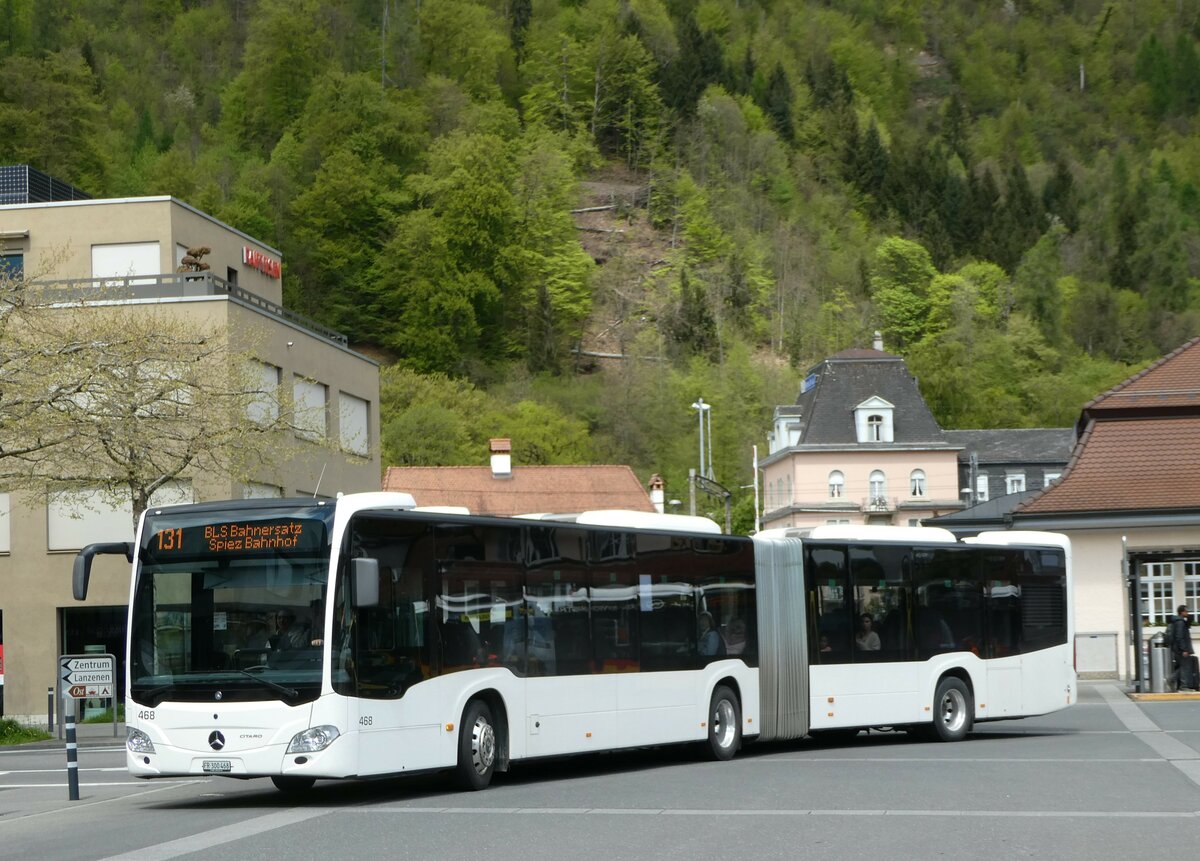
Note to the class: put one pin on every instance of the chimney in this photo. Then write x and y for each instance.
(656, 492)
(501, 450)
(878, 344)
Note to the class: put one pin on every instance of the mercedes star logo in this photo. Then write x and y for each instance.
(215, 740)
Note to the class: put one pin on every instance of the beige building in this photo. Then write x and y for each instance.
(1130, 502)
(129, 251)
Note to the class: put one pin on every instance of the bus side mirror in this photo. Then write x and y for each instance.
(366, 581)
(81, 571)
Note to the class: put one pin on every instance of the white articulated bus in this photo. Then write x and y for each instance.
(359, 637)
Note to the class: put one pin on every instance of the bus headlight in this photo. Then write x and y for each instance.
(313, 739)
(138, 742)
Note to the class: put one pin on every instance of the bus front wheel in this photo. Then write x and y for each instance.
(724, 724)
(952, 709)
(476, 747)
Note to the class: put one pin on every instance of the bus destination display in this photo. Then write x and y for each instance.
(245, 537)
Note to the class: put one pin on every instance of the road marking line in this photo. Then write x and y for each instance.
(1171, 749)
(77, 805)
(217, 836)
(54, 770)
(61, 785)
(792, 760)
(594, 811)
(1128, 713)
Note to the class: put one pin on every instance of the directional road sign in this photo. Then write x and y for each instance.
(84, 676)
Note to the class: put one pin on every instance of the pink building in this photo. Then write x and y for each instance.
(859, 446)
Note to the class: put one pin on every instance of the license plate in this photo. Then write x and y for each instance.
(217, 766)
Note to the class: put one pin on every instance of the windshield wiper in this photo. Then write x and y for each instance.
(289, 693)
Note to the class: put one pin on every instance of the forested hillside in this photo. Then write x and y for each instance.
(1009, 191)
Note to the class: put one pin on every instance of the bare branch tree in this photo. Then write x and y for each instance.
(122, 399)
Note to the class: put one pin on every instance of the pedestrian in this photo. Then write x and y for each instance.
(1183, 656)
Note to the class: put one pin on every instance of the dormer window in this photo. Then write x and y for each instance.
(873, 421)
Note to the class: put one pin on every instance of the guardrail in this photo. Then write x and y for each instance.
(181, 285)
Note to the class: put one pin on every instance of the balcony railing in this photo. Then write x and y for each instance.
(180, 285)
(879, 503)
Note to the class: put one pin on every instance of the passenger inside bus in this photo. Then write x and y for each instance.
(289, 634)
(735, 637)
(866, 639)
(709, 640)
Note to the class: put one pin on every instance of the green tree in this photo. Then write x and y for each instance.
(49, 117)
(901, 276)
(286, 49)
(1153, 68)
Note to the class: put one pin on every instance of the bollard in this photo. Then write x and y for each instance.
(72, 751)
(1160, 665)
(50, 710)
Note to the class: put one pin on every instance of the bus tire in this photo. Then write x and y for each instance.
(476, 747)
(293, 785)
(953, 710)
(724, 724)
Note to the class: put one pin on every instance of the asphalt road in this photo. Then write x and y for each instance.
(1107, 778)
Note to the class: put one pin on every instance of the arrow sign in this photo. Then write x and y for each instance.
(84, 675)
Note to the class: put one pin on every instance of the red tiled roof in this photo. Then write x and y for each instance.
(530, 489)
(1148, 464)
(1173, 381)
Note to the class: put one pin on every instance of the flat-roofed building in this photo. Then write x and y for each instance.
(129, 251)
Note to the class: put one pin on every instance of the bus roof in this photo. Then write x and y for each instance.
(627, 519)
(847, 532)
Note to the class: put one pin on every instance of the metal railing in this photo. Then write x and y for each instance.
(174, 285)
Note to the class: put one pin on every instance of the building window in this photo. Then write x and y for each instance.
(914, 521)
(126, 261)
(916, 482)
(257, 490)
(76, 518)
(354, 432)
(1014, 482)
(981, 488)
(1157, 592)
(875, 428)
(12, 265)
(1049, 478)
(838, 521)
(310, 399)
(231, 275)
(878, 489)
(787, 489)
(873, 420)
(263, 407)
(837, 484)
(1191, 587)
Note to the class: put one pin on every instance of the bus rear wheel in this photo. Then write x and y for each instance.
(293, 785)
(952, 710)
(724, 724)
(476, 747)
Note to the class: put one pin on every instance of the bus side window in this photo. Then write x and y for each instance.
(831, 629)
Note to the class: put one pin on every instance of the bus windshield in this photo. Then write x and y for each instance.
(230, 605)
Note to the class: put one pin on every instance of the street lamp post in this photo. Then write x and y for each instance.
(702, 409)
